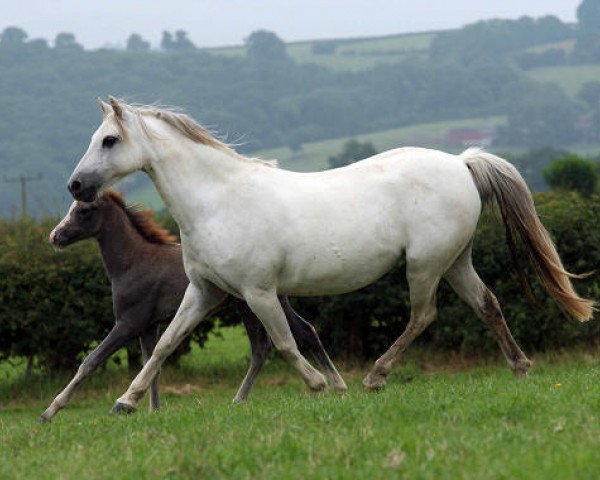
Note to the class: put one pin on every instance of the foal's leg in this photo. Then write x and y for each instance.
(423, 288)
(466, 283)
(307, 338)
(120, 334)
(267, 308)
(148, 342)
(198, 301)
(260, 346)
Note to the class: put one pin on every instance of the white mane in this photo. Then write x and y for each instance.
(186, 125)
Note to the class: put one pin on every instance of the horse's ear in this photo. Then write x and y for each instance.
(116, 106)
(105, 107)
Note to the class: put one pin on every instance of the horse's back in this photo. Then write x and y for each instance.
(363, 217)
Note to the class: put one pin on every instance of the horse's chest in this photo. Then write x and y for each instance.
(212, 264)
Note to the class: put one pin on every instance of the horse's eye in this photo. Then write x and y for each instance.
(109, 141)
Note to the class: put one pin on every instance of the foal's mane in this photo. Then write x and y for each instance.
(141, 220)
(184, 124)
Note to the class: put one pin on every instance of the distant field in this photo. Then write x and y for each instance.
(451, 421)
(353, 54)
(568, 77)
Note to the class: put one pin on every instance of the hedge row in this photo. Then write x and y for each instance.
(56, 305)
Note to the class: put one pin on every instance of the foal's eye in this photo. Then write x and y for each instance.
(109, 141)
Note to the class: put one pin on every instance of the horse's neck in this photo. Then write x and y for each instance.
(191, 180)
(120, 243)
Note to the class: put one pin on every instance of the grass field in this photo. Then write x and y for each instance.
(352, 54)
(569, 77)
(448, 422)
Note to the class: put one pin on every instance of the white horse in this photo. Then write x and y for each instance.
(257, 232)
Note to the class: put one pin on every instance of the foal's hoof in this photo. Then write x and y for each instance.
(521, 367)
(41, 419)
(122, 409)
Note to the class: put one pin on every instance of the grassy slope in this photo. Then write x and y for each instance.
(353, 54)
(480, 423)
(568, 77)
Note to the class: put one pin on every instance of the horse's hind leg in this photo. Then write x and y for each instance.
(466, 283)
(423, 288)
(306, 336)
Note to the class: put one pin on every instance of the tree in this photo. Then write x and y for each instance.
(263, 46)
(67, 42)
(135, 43)
(12, 37)
(167, 42)
(353, 151)
(590, 94)
(532, 163)
(572, 173)
(180, 43)
(587, 46)
(544, 117)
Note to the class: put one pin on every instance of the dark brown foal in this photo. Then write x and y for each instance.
(148, 280)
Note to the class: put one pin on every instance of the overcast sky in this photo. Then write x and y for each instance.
(227, 22)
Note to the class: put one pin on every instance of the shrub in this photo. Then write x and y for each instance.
(572, 173)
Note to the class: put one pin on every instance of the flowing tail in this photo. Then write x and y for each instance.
(497, 179)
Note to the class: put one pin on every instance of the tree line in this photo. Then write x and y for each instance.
(265, 99)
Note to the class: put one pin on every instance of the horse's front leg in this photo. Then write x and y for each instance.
(198, 301)
(147, 343)
(267, 308)
(117, 338)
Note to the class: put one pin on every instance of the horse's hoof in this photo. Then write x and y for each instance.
(317, 383)
(42, 419)
(372, 385)
(120, 408)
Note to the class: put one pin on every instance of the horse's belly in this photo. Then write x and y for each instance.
(333, 271)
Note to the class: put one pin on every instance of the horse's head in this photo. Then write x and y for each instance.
(112, 154)
(83, 220)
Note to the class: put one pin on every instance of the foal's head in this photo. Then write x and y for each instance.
(83, 220)
(88, 220)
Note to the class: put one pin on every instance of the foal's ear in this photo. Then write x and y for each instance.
(105, 107)
(116, 106)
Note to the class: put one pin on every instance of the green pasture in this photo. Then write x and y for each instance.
(352, 54)
(454, 419)
(569, 77)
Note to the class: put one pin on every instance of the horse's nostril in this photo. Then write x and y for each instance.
(75, 186)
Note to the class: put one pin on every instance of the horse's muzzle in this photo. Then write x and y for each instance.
(81, 192)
